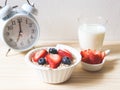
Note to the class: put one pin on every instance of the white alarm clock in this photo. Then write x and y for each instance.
(19, 29)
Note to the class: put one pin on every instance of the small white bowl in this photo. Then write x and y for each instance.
(92, 67)
(58, 75)
(95, 67)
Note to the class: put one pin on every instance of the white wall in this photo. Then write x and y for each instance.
(58, 19)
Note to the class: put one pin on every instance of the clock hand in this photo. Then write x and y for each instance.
(20, 30)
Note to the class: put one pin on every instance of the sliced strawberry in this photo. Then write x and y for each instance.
(39, 54)
(102, 55)
(54, 60)
(65, 52)
(85, 56)
(92, 56)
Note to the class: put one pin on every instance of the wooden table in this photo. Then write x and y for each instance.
(15, 74)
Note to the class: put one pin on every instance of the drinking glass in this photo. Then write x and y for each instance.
(91, 32)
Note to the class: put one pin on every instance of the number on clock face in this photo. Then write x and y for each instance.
(20, 32)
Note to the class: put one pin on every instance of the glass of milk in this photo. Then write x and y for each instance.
(91, 34)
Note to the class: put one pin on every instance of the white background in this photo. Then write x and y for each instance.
(58, 19)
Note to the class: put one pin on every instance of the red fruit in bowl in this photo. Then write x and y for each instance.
(64, 52)
(85, 55)
(92, 56)
(54, 60)
(39, 54)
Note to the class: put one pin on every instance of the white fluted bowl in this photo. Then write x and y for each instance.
(58, 75)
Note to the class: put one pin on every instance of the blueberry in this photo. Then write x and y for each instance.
(41, 61)
(66, 60)
(53, 51)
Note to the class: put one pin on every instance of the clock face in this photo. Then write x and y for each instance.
(20, 33)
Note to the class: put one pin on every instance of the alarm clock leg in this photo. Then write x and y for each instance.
(34, 47)
(8, 52)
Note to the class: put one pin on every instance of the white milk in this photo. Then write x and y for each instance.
(91, 36)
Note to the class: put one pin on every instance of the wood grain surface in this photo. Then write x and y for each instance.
(15, 74)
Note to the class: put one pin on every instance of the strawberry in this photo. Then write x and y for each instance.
(85, 56)
(39, 54)
(54, 60)
(102, 55)
(65, 52)
(92, 56)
